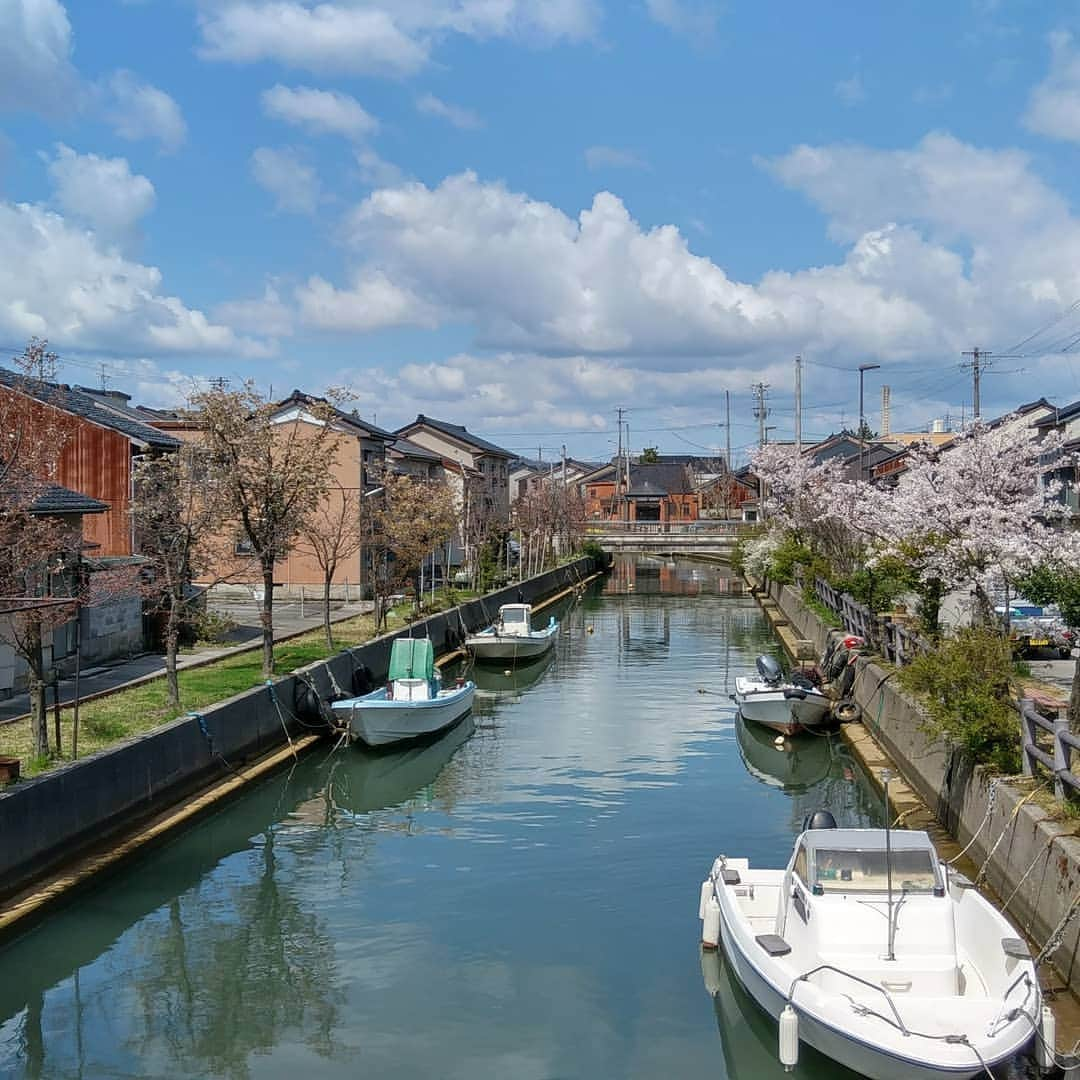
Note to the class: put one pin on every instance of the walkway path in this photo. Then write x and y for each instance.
(288, 623)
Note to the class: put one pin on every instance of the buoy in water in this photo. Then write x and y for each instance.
(507, 672)
(789, 1038)
(778, 742)
(588, 629)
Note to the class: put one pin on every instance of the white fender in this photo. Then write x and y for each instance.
(706, 896)
(1047, 1039)
(710, 927)
(789, 1038)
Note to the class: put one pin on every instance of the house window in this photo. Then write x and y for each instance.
(244, 547)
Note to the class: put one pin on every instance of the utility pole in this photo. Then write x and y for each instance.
(760, 391)
(979, 362)
(798, 403)
(863, 369)
(618, 467)
(727, 427)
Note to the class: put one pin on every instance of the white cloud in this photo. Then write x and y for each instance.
(102, 192)
(945, 244)
(1054, 107)
(35, 56)
(371, 302)
(850, 91)
(377, 37)
(60, 282)
(268, 315)
(693, 20)
(529, 277)
(325, 112)
(376, 171)
(610, 157)
(293, 183)
(460, 117)
(136, 110)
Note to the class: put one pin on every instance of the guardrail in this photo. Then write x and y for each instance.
(667, 528)
(1063, 742)
(894, 640)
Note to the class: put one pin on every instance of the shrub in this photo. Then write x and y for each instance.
(212, 627)
(964, 684)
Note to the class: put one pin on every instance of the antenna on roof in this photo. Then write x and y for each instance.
(103, 373)
(219, 382)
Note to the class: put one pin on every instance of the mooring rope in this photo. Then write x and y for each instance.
(981, 875)
(1055, 940)
(991, 798)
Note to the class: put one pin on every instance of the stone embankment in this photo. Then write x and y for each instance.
(1028, 856)
(67, 825)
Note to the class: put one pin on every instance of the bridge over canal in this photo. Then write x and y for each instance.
(715, 539)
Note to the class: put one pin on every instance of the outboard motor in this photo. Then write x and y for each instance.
(819, 819)
(769, 670)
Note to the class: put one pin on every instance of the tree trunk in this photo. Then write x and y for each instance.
(172, 646)
(326, 610)
(267, 619)
(39, 724)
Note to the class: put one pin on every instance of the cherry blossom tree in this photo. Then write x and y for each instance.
(968, 516)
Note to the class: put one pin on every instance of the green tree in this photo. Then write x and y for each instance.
(649, 456)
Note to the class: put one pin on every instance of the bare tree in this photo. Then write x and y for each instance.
(416, 517)
(34, 596)
(333, 534)
(268, 473)
(179, 531)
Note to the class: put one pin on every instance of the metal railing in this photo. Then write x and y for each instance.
(893, 639)
(667, 528)
(1058, 761)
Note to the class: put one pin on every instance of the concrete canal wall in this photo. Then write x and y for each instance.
(53, 818)
(1030, 861)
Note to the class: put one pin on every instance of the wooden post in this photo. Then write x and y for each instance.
(1027, 735)
(56, 708)
(1061, 757)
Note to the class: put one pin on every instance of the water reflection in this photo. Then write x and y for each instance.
(748, 1036)
(515, 898)
(499, 681)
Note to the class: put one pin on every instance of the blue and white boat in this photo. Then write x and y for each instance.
(511, 636)
(412, 704)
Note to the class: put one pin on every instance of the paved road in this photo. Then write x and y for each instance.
(1058, 673)
(287, 620)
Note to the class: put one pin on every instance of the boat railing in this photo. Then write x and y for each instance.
(1058, 759)
(806, 976)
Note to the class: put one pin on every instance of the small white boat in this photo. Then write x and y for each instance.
(412, 704)
(876, 954)
(785, 705)
(511, 636)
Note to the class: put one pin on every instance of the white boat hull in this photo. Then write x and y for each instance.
(782, 712)
(491, 646)
(851, 1022)
(378, 721)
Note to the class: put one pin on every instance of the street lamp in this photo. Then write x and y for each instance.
(863, 368)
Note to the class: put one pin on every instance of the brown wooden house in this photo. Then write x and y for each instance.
(104, 436)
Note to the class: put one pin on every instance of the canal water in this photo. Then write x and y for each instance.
(515, 900)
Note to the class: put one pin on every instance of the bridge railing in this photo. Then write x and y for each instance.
(667, 528)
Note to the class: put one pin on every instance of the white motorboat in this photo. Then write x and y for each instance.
(511, 636)
(413, 703)
(876, 954)
(784, 704)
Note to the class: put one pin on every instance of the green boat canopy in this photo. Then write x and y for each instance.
(412, 658)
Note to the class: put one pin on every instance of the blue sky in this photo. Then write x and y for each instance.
(521, 215)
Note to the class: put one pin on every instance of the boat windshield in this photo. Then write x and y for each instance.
(864, 870)
(514, 616)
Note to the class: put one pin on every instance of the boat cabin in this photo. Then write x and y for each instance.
(412, 670)
(834, 908)
(515, 620)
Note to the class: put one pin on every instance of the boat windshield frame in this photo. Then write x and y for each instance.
(853, 861)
